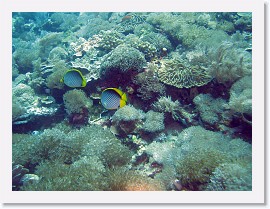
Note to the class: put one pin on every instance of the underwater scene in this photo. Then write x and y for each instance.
(131, 101)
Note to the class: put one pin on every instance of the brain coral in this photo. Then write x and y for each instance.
(174, 72)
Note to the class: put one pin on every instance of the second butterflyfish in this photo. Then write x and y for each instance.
(113, 98)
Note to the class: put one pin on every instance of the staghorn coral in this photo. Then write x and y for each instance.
(122, 59)
(75, 100)
(175, 73)
(166, 105)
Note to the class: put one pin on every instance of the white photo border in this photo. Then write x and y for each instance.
(257, 195)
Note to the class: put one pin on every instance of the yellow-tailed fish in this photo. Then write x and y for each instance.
(74, 78)
(113, 98)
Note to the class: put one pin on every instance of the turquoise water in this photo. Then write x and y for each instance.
(183, 86)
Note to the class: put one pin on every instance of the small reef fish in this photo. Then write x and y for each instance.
(74, 78)
(113, 98)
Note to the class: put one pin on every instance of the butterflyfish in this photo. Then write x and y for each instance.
(74, 78)
(113, 98)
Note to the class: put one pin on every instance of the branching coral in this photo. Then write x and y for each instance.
(158, 40)
(47, 43)
(103, 144)
(166, 105)
(82, 45)
(110, 39)
(130, 21)
(174, 72)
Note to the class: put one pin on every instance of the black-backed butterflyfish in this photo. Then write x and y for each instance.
(113, 98)
(74, 78)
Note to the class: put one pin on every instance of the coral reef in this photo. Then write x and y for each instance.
(174, 72)
(187, 124)
(24, 56)
(229, 64)
(28, 107)
(128, 119)
(75, 100)
(80, 176)
(149, 85)
(58, 72)
(231, 177)
(158, 40)
(154, 122)
(210, 109)
(125, 180)
(202, 151)
(148, 49)
(122, 59)
(241, 96)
